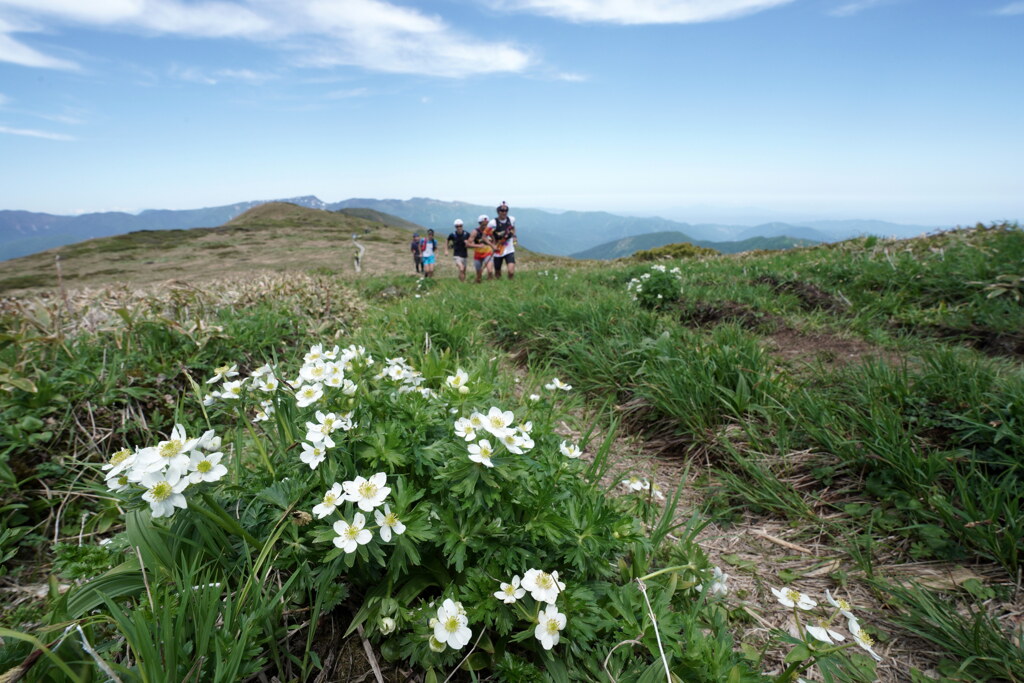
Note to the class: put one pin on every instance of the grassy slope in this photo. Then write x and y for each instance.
(831, 388)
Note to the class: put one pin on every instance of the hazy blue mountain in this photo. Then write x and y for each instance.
(546, 232)
(630, 245)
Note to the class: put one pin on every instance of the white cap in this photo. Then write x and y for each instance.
(458, 222)
(482, 218)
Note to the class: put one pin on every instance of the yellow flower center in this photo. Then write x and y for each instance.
(552, 626)
(510, 589)
(171, 448)
(544, 581)
(367, 489)
(391, 519)
(865, 639)
(329, 498)
(843, 605)
(120, 456)
(353, 532)
(161, 491)
(451, 624)
(328, 426)
(204, 466)
(792, 595)
(222, 370)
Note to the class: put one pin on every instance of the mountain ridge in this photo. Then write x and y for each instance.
(562, 233)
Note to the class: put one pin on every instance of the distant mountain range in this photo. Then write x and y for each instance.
(651, 240)
(568, 233)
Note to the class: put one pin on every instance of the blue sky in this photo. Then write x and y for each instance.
(749, 110)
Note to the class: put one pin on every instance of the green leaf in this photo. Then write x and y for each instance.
(799, 653)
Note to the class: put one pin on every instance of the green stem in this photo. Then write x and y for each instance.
(219, 516)
(668, 569)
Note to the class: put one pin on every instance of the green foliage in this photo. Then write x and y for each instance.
(679, 250)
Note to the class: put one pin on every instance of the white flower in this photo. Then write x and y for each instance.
(308, 394)
(387, 626)
(211, 398)
(458, 380)
(163, 491)
(118, 482)
(268, 384)
(863, 639)
(367, 493)
(543, 587)
(452, 626)
(351, 536)
(792, 598)
(329, 503)
(312, 455)
(262, 371)
(481, 452)
(636, 484)
(558, 384)
(119, 462)
(570, 450)
(842, 605)
(320, 432)
(464, 429)
(719, 585)
(209, 441)
(349, 388)
(512, 442)
(497, 421)
(316, 352)
(388, 521)
(314, 372)
(822, 632)
(172, 453)
(510, 592)
(205, 467)
(549, 623)
(232, 390)
(534, 397)
(222, 372)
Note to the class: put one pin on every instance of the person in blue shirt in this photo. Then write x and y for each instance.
(428, 252)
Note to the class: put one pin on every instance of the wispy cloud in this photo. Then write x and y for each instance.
(640, 11)
(371, 34)
(215, 76)
(28, 132)
(1012, 9)
(849, 9)
(17, 52)
(571, 77)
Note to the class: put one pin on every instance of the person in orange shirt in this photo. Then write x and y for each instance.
(481, 241)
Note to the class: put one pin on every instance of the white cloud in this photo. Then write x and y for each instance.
(27, 132)
(572, 78)
(641, 11)
(4, 99)
(215, 76)
(16, 52)
(855, 7)
(371, 34)
(1012, 9)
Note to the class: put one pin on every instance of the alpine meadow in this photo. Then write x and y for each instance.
(240, 454)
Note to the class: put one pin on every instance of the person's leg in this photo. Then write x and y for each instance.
(479, 265)
(510, 265)
(498, 260)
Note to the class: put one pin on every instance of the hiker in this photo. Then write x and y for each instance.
(480, 240)
(428, 253)
(503, 232)
(416, 258)
(457, 240)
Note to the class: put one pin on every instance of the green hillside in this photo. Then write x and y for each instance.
(694, 470)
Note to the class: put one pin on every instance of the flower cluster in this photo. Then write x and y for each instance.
(497, 423)
(821, 628)
(409, 380)
(543, 588)
(451, 627)
(164, 471)
(656, 287)
(635, 484)
(368, 495)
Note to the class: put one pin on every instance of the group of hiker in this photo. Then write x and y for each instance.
(493, 242)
